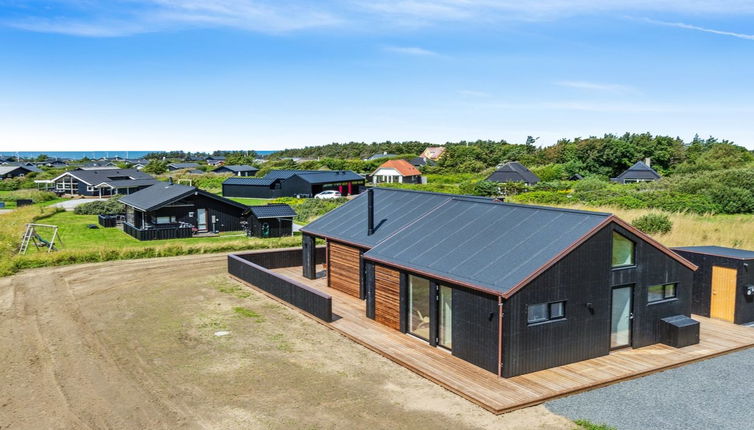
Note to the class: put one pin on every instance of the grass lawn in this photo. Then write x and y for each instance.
(75, 234)
(250, 201)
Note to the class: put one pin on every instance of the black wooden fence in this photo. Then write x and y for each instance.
(107, 220)
(254, 268)
(176, 232)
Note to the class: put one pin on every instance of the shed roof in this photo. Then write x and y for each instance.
(492, 245)
(720, 251)
(393, 210)
(401, 166)
(639, 171)
(513, 172)
(243, 180)
(279, 210)
(311, 176)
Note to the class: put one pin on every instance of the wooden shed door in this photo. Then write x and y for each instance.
(344, 269)
(723, 301)
(387, 300)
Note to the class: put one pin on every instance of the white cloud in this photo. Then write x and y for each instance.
(596, 86)
(411, 50)
(702, 29)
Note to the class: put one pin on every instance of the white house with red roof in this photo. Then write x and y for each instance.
(397, 171)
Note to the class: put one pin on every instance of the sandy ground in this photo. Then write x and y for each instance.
(132, 345)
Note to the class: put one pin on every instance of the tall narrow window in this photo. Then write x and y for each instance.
(623, 251)
(445, 336)
(418, 306)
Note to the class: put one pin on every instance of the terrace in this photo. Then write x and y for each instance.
(278, 274)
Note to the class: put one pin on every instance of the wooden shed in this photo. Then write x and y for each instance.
(273, 220)
(724, 282)
(510, 288)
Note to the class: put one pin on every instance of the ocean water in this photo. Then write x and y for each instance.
(76, 155)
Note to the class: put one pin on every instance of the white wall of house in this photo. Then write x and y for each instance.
(386, 175)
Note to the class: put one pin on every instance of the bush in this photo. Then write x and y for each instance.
(101, 207)
(653, 223)
(544, 198)
(34, 195)
(312, 208)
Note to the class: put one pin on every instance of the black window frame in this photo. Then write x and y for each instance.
(550, 318)
(665, 296)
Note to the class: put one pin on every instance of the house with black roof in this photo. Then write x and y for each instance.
(510, 288)
(101, 182)
(215, 160)
(168, 211)
(723, 284)
(639, 172)
(237, 170)
(180, 166)
(273, 220)
(13, 171)
(292, 183)
(513, 172)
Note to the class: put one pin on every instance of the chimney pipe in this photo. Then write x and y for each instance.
(370, 212)
(170, 180)
(648, 162)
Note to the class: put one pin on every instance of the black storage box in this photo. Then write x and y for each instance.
(679, 331)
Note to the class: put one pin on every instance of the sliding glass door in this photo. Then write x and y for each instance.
(445, 326)
(418, 296)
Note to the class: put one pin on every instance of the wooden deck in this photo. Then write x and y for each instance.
(500, 395)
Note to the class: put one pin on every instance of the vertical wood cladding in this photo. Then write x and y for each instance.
(344, 263)
(584, 280)
(703, 284)
(475, 327)
(387, 297)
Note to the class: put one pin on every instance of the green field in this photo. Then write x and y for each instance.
(249, 201)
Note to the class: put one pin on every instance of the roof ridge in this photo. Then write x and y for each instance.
(524, 205)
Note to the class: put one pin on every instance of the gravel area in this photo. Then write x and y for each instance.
(713, 394)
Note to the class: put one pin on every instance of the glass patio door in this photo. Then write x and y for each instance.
(418, 295)
(621, 316)
(445, 326)
(201, 219)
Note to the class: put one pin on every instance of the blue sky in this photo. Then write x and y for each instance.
(247, 74)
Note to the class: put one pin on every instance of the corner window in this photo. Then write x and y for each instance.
(623, 251)
(542, 312)
(657, 293)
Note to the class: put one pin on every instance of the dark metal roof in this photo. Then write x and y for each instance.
(157, 196)
(242, 180)
(98, 176)
(721, 251)
(639, 171)
(129, 183)
(165, 193)
(279, 210)
(513, 172)
(495, 246)
(237, 168)
(393, 210)
(183, 165)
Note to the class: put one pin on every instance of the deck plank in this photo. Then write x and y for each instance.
(500, 395)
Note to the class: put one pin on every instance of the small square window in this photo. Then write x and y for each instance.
(537, 313)
(669, 291)
(557, 310)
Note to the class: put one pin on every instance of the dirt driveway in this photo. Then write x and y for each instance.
(133, 345)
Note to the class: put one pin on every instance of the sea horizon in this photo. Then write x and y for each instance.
(94, 155)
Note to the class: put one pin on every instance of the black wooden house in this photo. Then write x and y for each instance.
(510, 288)
(169, 211)
(724, 282)
(292, 183)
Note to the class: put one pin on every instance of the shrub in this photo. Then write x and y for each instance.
(312, 208)
(543, 197)
(590, 184)
(653, 223)
(101, 207)
(34, 195)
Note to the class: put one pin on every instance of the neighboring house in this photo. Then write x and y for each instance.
(26, 165)
(513, 172)
(273, 220)
(99, 165)
(639, 172)
(56, 163)
(10, 171)
(166, 211)
(215, 160)
(237, 170)
(510, 288)
(181, 166)
(378, 156)
(101, 182)
(397, 171)
(291, 183)
(723, 284)
(433, 153)
(420, 162)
